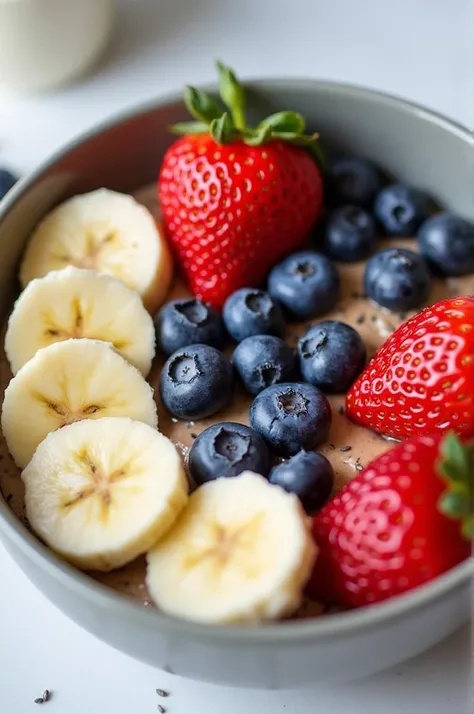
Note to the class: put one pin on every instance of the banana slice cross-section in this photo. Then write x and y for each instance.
(241, 552)
(106, 231)
(67, 382)
(75, 303)
(102, 492)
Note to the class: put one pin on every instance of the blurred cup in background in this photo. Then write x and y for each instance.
(45, 44)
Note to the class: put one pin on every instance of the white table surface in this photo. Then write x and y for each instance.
(420, 49)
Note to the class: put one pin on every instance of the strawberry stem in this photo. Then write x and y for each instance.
(456, 468)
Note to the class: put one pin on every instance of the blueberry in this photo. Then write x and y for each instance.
(7, 181)
(400, 209)
(353, 180)
(447, 244)
(188, 322)
(263, 360)
(397, 279)
(309, 476)
(291, 417)
(307, 284)
(249, 312)
(349, 234)
(196, 382)
(332, 355)
(228, 449)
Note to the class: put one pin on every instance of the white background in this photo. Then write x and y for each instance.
(420, 49)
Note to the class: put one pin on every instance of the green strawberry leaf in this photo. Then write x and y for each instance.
(227, 127)
(454, 504)
(451, 473)
(200, 105)
(285, 122)
(257, 137)
(223, 130)
(232, 94)
(293, 137)
(456, 468)
(455, 453)
(189, 127)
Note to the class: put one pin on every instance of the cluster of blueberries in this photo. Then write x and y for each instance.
(367, 206)
(290, 414)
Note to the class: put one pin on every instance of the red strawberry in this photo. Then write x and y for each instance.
(393, 527)
(236, 200)
(422, 378)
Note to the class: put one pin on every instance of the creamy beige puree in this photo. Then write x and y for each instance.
(349, 447)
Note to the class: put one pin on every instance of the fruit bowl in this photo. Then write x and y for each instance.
(419, 148)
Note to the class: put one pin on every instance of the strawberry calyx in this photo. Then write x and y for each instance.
(227, 125)
(456, 468)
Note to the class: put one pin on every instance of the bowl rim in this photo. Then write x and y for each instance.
(306, 630)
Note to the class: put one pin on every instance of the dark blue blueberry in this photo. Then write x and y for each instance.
(349, 234)
(7, 181)
(447, 244)
(196, 382)
(307, 284)
(263, 360)
(249, 312)
(309, 476)
(291, 417)
(397, 279)
(353, 180)
(332, 355)
(188, 322)
(400, 210)
(226, 450)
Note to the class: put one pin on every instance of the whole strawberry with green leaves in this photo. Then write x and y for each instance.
(236, 199)
(407, 518)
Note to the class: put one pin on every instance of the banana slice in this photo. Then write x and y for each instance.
(109, 232)
(79, 303)
(102, 492)
(241, 552)
(67, 382)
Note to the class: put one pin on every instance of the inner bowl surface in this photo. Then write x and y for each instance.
(415, 145)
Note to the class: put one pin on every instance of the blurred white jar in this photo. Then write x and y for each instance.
(48, 43)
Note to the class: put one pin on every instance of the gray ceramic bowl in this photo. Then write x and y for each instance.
(417, 146)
